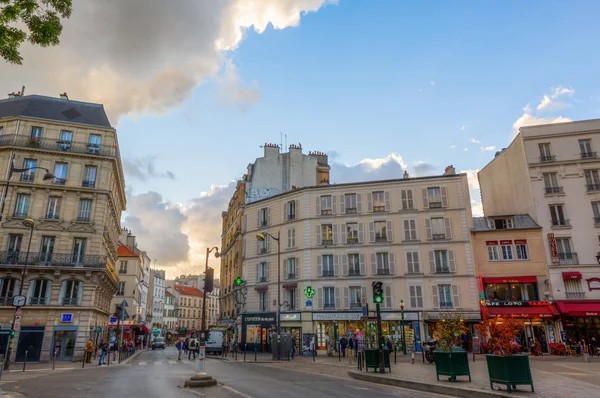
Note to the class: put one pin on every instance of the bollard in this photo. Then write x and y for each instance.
(395, 349)
(245, 349)
(236, 351)
(339, 355)
(109, 354)
(53, 357)
(25, 361)
(84, 358)
(313, 353)
(254, 353)
(413, 357)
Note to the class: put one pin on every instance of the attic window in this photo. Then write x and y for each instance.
(71, 113)
(501, 223)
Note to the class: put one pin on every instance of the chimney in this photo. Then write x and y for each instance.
(64, 96)
(405, 176)
(450, 171)
(14, 95)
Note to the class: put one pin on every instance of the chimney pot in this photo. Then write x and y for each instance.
(405, 176)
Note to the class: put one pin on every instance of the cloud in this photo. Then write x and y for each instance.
(452, 147)
(421, 169)
(549, 103)
(527, 119)
(466, 149)
(463, 127)
(392, 166)
(488, 148)
(146, 56)
(474, 141)
(143, 169)
(233, 93)
(432, 83)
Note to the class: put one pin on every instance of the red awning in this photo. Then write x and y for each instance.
(547, 311)
(290, 285)
(571, 275)
(579, 309)
(511, 279)
(261, 288)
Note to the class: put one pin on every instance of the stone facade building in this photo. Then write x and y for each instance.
(189, 308)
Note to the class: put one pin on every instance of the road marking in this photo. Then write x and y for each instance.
(184, 361)
(41, 370)
(142, 363)
(233, 390)
(172, 362)
(157, 362)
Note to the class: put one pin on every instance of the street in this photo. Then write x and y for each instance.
(158, 374)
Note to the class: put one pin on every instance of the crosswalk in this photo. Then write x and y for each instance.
(163, 362)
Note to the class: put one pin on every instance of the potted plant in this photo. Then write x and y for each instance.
(450, 359)
(33, 141)
(504, 367)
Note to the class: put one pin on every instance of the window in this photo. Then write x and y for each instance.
(328, 266)
(493, 251)
(445, 296)
(89, 177)
(412, 263)
(263, 245)
(350, 203)
(326, 206)
(585, 147)
(410, 230)
(438, 229)
(85, 210)
(557, 212)
(60, 171)
(596, 212)
(263, 301)
(28, 176)
(511, 291)
(291, 210)
(1, 130)
(22, 206)
(121, 289)
(94, 143)
(14, 248)
(522, 250)
(434, 197)
(378, 201)
(47, 249)
(355, 293)
(263, 216)
(78, 250)
(501, 223)
(551, 184)
(354, 264)
(329, 297)
(36, 134)
(64, 142)
(326, 234)
(507, 251)
(53, 210)
(407, 199)
(592, 180)
(291, 235)
(545, 153)
(380, 231)
(416, 296)
(122, 267)
(566, 255)
(383, 264)
(352, 232)
(8, 288)
(573, 289)
(291, 268)
(71, 292)
(263, 272)
(441, 261)
(39, 292)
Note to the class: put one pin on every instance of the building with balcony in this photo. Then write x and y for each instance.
(71, 278)
(412, 234)
(170, 314)
(510, 262)
(157, 288)
(551, 173)
(189, 309)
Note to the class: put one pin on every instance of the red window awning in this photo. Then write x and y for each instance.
(571, 275)
(261, 288)
(547, 311)
(512, 279)
(290, 285)
(579, 309)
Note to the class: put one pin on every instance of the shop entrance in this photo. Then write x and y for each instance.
(30, 343)
(64, 344)
(295, 331)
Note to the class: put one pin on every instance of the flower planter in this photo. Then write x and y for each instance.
(511, 371)
(372, 359)
(452, 364)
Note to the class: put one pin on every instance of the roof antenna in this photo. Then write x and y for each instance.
(286, 140)
(281, 140)
(23, 90)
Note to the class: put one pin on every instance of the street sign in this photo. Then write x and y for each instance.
(364, 300)
(17, 324)
(18, 312)
(309, 303)
(5, 326)
(113, 319)
(124, 304)
(365, 311)
(368, 318)
(66, 318)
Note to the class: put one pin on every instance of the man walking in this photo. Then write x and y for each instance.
(192, 348)
(179, 347)
(102, 348)
(293, 346)
(343, 344)
(89, 348)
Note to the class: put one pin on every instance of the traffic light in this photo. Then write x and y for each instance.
(209, 280)
(12, 334)
(378, 292)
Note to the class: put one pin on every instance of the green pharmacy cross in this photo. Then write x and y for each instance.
(238, 281)
(309, 292)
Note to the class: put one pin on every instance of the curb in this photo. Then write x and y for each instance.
(131, 357)
(449, 389)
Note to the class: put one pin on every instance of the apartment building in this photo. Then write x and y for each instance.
(335, 240)
(72, 278)
(170, 314)
(158, 287)
(189, 307)
(551, 172)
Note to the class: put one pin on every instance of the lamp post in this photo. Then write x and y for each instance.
(19, 301)
(262, 237)
(47, 176)
(402, 325)
(217, 255)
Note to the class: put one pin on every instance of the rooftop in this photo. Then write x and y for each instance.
(56, 109)
(190, 291)
(124, 251)
(520, 221)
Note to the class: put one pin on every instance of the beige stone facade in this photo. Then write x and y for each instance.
(71, 277)
(189, 308)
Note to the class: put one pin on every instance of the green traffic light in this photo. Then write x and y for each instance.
(12, 333)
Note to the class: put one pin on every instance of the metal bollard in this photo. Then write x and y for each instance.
(53, 357)
(314, 353)
(395, 349)
(254, 353)
(236, 351)
(245, 349)
(25, 361)
(84, 358)
(339, 355)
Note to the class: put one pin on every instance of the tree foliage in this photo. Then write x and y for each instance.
(500, 333)
(448, 330)
(36, 21)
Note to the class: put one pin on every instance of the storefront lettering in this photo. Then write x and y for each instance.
(260, 319)
(336, 316)
(553, 248)
(489, 303)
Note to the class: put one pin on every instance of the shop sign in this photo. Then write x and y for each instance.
(593, 283)
(336, 316)
(258, 319)
(553, 248)
(290, 317)
(397, 316)
(516, 303)
(113, 319)
(520, 241)
(66, 318)
(506, 242)
(474, 316)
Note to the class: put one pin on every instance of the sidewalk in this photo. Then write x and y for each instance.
(553, 377)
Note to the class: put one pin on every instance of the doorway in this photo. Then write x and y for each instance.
(30, 344)
(64, 344)
(295, 332)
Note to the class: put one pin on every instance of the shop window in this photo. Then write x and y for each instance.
(511, 292)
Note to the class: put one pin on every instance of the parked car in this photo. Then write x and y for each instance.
(158, 342)
(214, 343)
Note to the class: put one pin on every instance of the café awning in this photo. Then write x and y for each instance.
(571, 275)
(578, 308)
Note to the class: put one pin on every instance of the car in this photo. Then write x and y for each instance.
(158, 342)
(214, 343)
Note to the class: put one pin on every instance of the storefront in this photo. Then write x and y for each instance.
(257, 330)
(391, 326)
(431, 318)
(30, 343)
(291, 322)
(63, 341)
(580, 319)
(333, 325)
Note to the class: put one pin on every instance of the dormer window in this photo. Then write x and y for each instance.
(501, 223)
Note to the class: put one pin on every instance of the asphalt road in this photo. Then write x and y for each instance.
(158, 374)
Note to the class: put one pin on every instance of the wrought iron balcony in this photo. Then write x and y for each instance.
(564, 223)
(70, 301)
(589, 155)
(262, 279)
(575, 295)
(54, 145)
(383, 271)
(83, 218)
(355, 306)
(52, 216)
(53, 260)
(38, 301)
(597, 220)
(5, 301)
(593, 187)
(553, 190)
(435, 205)
(446, 304)
(438, 236)
(568, 259)
(547, 158)
(327, 242)
(351, 210)
(329, 306)
(378, 209)
(88, 183)
(291, 275)
(442, 270)
(326, 212)
(262, 250)
(27, 177)
(328, 273)
(353, 272)
(19, 214)
(60, 181)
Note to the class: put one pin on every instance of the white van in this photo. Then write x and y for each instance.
(214, 343)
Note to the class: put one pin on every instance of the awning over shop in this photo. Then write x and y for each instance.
(571, 275)
(261, 288)
(512, 279)
(290, 285)
(144, 329)
(591, 308)
(523, 312)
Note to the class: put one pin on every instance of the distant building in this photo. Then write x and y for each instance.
(189, 308)
(170, 314)
(159, 286)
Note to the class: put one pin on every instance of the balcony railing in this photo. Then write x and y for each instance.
(291, 275)
(291, 216)
(442, 270)
(435, 205)
(353, 272)
(383, 271)
(352, 241)
(38, 301)
(5, 301)
(597, 220)
(328, 273)
(568, 259)
(381, 238)
(60, 181)
(561, 223)
(262, 250)
(70, 301)
(56, 145)
(19, 214)
(83, 218)
(52, 216)
(575, 295)
(329, 306)
(262, 279)
(326, 212)
(378, 209)
(88, 183)
(446, 304)
(438, 236)
(553, 190)
(593, 187)
(53, 260)
(351, 210)
(326, 242)
(547, 158)
(355, 306)
(27, 177)
(589, 155)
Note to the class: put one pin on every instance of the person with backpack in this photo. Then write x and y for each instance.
(179, 347)
(102, 348)
(192, 348)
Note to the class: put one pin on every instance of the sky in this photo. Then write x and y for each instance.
(195, 87)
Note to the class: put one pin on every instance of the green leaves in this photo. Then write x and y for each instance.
(42, 19)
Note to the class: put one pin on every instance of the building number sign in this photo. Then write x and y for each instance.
(309, 292)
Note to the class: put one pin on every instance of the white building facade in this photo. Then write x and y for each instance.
(158, 304)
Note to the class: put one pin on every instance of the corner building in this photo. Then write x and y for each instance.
(412, 234)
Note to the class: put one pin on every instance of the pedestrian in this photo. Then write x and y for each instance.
(351, 348)
(343, 344)
(186, 345)
(179, 347)
(89, 349)
(293, 346)
(114, 349)
(102, 348)
(192, 348)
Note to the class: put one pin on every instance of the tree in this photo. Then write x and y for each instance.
(448, 330)
(500, 333)
(41, 18)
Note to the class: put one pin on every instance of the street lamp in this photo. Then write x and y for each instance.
(402, 325)
(47, 176)
(19, 301)
(217, 255)
(262, 237)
